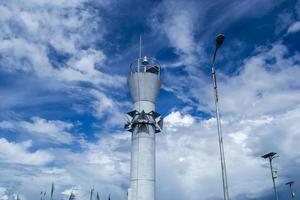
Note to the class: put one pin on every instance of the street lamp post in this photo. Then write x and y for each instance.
(291, 190)
(219, 41)
(271, 156)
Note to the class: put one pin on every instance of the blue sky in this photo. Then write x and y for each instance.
(63, 91)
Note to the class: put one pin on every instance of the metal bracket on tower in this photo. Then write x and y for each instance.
(142, 119)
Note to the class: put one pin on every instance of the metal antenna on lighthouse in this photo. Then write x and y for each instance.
(140, 50)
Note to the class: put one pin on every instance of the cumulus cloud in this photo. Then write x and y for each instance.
(104, 165)
(176, 119)
(265, 84)
(3, 194)
(295, 27)
(11, 152)
(178, 25)
(191, 156)
(53, 131)
(55, 43)
(179, 22)
(20, 49)
(59, 27)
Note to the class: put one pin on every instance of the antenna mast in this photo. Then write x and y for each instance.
(140, 50)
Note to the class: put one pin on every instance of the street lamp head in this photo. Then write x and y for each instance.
(268, 155)
(290, 183)
(219, 40)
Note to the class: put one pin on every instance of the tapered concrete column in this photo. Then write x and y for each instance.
(144, 88)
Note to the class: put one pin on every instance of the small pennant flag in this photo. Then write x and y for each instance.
(52, 190)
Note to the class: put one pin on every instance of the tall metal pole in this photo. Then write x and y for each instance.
(273, 178)
(271, 156)
(140, 49)
(219, 41)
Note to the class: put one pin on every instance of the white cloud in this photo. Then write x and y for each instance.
(75, 191)
(103, 165)
(19, 153)
(104, 106)
(55, 43)
(264, 84)
(50, 131)
(83, 68)
(179, 21)
(30, 31)
(176, 119)
(295, 27)
(16, 50)
(178, 26)
(6, 125)
(3, 195)
(190, 154)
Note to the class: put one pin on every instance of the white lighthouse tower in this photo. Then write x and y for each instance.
(143, 122)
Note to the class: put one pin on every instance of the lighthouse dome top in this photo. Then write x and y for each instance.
(145, 64)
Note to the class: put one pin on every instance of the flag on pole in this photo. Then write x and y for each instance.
(98, 197)
(91, 195)
(52, 190)
(72, 196)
